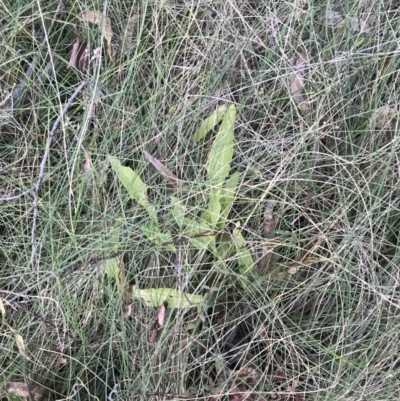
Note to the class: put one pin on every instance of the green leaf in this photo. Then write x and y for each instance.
(227, 197)
(155, 297)
(179, 212)
(213, 211)
(209, 123)
(225, 247)
(244, 256)
(222, 150)
(112, 267)
(200, 242)
(153, 233)
(2, 309)
(136, 188)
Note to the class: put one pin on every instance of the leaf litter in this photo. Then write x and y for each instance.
(159, 321)
(98, 18)
(172, 179)
(298, 81)
(26, 392)
(269, 224)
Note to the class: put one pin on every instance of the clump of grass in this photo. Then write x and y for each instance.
(328, 160)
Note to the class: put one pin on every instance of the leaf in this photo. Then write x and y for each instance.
(136, 188)
(155, 297)
(79, 55)
(164, 171)
(2, 309)
(18, 391)
(297, 84)
(227, 197)
(213, 212)
(384, 118)
(178, 212)
(129, 35)
(159, 322)
(153, 233)
(198, 232)
(244, 256)
(98, 18)
(209, 123)
(269, 223)
(126, 296)
(334, 19)
(113, 268)
(225, 246)
(20, 345)
(222, 150)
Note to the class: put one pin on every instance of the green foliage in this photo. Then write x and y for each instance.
(155, 297)
(131, 181)
(209, 123)
(219, 161)
(220, 196)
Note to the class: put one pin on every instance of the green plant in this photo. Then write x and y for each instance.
(202, 232)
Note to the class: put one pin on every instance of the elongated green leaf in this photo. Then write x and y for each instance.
(198, 232)
(219, 161)
(114, 266)
(227, 197)
(178, 212)
(213, 211)
(209, 123)
(155, 297)
(153, 233)
(225, 247)
(244, 256)
(136, 188)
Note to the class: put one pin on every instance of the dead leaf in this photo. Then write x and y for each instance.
(384, 118)
(126, 293)
(87, 165)
(130, 30)
(298, 81)
(235, 394)
(2, 309)
(74, 52)
(269, 224)
(79, 55)
(98, 18)
(61, 362)
(21, 346)
(164, 171)
(334, 19)
(31, 392)
(159, 322)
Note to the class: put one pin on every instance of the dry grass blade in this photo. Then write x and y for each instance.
(172, 179)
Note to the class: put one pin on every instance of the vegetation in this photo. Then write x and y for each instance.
(199, 200)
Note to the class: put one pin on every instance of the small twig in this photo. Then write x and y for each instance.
(43, 163)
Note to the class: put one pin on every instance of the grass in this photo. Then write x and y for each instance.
(328, 159)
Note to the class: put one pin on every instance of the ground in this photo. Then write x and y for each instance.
(199, 200)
